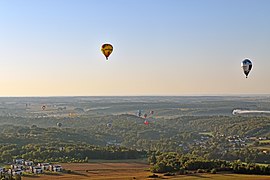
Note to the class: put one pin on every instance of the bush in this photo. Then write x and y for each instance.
(213, 171)
(153, 176)
(169, 174)
(69, 171)
(17, 177)
(200, 171)
(181, 171)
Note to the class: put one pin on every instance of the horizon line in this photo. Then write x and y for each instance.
(160, 95)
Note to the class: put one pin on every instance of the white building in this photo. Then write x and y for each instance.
(28, 163)
(2, 170)
(16, 166)
(44, 166)
(56, 168)
(37, 170)
(17, 171)
(19, 161)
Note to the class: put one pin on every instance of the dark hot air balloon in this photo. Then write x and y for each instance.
(107, 50)
(247, 66)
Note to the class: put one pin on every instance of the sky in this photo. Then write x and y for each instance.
(161, 47)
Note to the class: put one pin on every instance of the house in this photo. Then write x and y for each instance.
(19, 161)
(113, 143)
(17, 171)
(44, 166)
(36, 169)
(16, 166)
(56, 168)
(2, 170)
(28, 163)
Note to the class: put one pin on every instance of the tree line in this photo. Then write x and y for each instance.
(63, 152)
(182, 164)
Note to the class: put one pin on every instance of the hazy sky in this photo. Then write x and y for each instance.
(161, 47)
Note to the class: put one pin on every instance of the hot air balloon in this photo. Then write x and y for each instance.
(107, 49)
(246, 65)
(109, 125)
(146, 122)
(145, 115)
(43, 107)
(59, 124)
(139, 113)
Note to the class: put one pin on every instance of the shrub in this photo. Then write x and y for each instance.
(153, 176)
(200, 171)
(169, 174)
(181, 171)
(213, 171)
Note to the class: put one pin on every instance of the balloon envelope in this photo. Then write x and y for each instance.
(139, 113)
(246, 66)
(145, 115)
(109, 125)
(107, 49)
(59, 124)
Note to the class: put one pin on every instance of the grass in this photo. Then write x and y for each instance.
(261, 164)
(263, 147)
(265, 141)
(52, 173)
(222, 176)
(27, 174)
(206, 133)
(119, 161)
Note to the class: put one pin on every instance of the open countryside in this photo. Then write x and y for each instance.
(124, 90)
(104, 137)
(126, 171)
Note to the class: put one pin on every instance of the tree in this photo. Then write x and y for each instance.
(213, 171)
(17, 177)
(152, 159)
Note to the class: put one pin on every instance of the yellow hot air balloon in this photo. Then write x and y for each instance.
(107, 49)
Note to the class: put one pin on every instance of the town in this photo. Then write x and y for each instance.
(20, 166)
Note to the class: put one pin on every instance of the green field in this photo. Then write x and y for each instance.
(267, 147)
(265, 141)
(222, 177)
(206, 133)
(119, 161)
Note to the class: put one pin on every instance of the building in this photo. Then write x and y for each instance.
(17, 171)
(16, 166)
(2, 170)
(19, 161)
(55, 168)
(44, 166)
(28, 163)
(36, 169)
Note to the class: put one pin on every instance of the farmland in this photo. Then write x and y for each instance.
(125, 171)
(200, 129)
